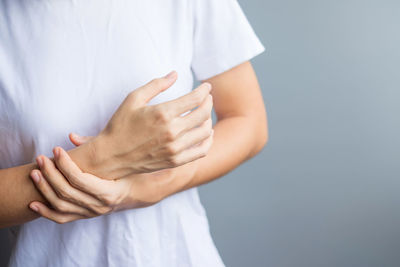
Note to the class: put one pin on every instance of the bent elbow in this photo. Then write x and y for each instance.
(263, 141)
(261, 138)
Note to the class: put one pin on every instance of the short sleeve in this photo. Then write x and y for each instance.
(223, 38)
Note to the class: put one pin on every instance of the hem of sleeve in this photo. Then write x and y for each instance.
(217, 66)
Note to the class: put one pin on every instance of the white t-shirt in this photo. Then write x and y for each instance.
(65, 66)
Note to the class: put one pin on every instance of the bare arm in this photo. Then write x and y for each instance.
(115, 152)
(240, 133)
(17, 190)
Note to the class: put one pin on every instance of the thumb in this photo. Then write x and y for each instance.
(78, 140)
(150, 90)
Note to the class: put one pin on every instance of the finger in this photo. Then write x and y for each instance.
(195, 117)
(83, 181)
(187, 102)
(63, 188)
(78, 140)
(192, 137)
(194, 153)
(57, 203)
(147, 92)
(65, 164)
(53, 215)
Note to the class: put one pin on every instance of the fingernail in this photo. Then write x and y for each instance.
(39, 161)
(34, 207)
(56, 152)
(76, 136)
(35, 177)
(208, 85)
(170, 75)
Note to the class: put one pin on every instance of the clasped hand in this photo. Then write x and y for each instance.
(137, 156)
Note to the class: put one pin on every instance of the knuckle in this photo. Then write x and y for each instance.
(170, 134)
(203, 151)
(61, 207)
(105, 210)
(171, 149)
(173, 161)
(64, 193)
(131, 94)
(109, 200)
(74, 175)
(96, 210)
(161, 115)
(101, 210)
(73, 181)
(159, 110)
(133, 97)
(136, 95)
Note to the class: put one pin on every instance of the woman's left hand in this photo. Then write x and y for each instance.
(73, 194)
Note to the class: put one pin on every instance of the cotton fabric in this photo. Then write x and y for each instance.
(65, 66)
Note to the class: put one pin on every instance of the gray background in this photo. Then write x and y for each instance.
(324, 192)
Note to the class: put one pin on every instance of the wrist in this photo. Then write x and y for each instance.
(147, 189)
(102, 159)
(94, 157)
(179, 179)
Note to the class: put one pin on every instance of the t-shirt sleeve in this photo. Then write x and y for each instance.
(223, 38)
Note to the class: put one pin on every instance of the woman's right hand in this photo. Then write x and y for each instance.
(143, 138)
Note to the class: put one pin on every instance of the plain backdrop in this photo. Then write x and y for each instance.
(325, 191)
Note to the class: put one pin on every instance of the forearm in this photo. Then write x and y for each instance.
(116, 154)
(17, 189)
(16, 192)
(236, 139)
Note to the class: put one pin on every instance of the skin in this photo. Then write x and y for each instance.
(75, 187)
(158, 137)
(240, 133)
(162, 140)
